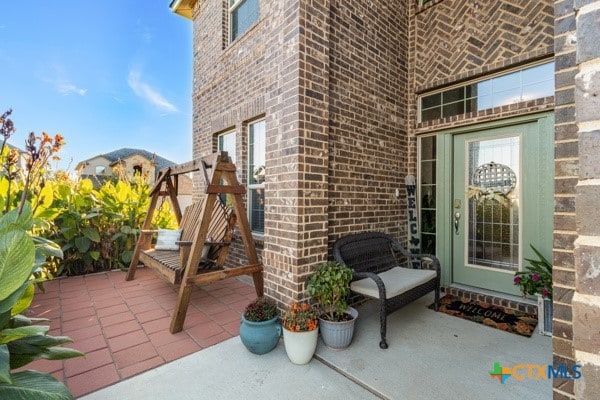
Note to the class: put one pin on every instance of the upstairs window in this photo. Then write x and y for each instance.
(242, 15)
(137, 170)
(100, 170)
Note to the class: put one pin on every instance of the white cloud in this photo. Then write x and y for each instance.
(62, 83)
(148, 93)
(66, 88)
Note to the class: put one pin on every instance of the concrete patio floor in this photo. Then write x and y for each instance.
(431, 355)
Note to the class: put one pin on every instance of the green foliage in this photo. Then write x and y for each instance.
(261, 309)
(537, 277)
(33, 385)
(98, 228)
(16, 249)
(22, 341)
(329, 286)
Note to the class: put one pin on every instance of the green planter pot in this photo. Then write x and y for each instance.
(260, 337)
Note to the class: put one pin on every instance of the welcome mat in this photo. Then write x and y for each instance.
(505, 319)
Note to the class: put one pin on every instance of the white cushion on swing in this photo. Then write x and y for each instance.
(167, 239)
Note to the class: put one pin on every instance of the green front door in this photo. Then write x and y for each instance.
(502, 202)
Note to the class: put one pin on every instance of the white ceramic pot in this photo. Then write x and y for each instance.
(300, 346)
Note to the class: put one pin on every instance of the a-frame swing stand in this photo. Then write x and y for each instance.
(220, 178)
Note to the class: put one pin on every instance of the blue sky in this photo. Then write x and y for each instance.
(105, 74)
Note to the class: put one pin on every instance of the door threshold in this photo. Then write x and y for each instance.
(491, 297)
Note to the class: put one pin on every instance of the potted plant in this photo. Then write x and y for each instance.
(260, 328)
(537, 280)
(330, 286)
(300, 332)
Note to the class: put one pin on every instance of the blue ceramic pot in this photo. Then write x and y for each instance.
(260, 337)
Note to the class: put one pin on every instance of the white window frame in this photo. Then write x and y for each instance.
(232, 155)
(249, 173)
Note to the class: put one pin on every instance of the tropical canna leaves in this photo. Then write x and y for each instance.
(17, 256)
(33, 385)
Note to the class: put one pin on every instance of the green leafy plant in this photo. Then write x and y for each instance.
(23, 263)
(329, 285)
(261, 309)
(21, 339)
(97, 228)
(537, 277)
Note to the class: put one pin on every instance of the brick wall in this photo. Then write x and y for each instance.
(329, 78)
(296, 103)
(586, 297)
(455, 38)
(228, 90)
(566, 171)
(368, 151)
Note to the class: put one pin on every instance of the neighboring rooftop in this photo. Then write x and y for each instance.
(123, 153)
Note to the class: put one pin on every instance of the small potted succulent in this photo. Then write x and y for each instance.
(260, 328)
(300, 332)
(536, 279)
(330, 286)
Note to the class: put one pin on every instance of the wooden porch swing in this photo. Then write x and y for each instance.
(206, 232)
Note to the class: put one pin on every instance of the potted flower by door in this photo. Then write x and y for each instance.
(260, 328)
(330, 286)
(300, 332)
(536, 279)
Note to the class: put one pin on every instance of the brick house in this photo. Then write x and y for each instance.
(327, 106)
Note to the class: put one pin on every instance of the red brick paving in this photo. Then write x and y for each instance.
(123, 327)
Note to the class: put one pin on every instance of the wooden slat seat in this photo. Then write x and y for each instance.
(171, 263)
(207, 232)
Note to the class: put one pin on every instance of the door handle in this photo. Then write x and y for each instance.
(456, 221)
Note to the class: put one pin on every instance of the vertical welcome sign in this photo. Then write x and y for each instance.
(413, 225)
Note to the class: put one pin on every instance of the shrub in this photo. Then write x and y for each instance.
(329, 285)
(261, 309)
(537, 277)
(23, 259)
(300, 317)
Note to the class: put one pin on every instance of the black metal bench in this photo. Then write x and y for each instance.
(383, 270)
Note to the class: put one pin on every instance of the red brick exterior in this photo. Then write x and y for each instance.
(337, 83)
(307, 69)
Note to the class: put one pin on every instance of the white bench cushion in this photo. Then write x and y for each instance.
(397, 281)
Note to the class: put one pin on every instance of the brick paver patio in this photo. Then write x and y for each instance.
(123, 327)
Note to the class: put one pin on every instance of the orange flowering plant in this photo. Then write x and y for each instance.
(300, 317)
